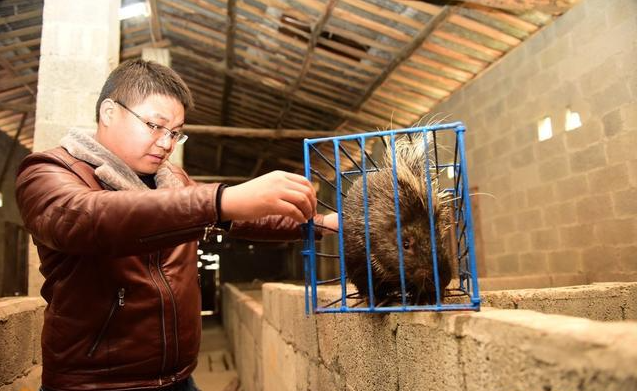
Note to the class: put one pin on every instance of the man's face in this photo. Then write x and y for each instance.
(128, 137)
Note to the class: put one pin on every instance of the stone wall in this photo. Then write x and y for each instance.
(563, 210)
(20, 351)
(495, 349)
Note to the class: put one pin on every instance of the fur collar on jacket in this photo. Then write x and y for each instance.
(110, 169)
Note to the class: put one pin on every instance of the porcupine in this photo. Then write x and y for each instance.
(415, 229)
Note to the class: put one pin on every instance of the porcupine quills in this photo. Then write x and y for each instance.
(415, 229)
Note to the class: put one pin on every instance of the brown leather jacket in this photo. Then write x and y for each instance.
(120, 272)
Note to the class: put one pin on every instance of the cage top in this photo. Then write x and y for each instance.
(456, 126)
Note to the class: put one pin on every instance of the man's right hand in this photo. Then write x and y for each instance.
(276, 193)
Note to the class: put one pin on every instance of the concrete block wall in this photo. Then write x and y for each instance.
(495, 349)
(243, 326)
(20, 351)
(564, 209)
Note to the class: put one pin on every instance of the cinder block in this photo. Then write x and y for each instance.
(508, 264)
(613, 96)
(569, 349)
(544, 239)
(565, 261)
(612, 123)
(554, 169)
(591, 132)
(555, 53)
(528, 220)
(594, 208)
(367, 354)
(599, 257)
(30, 381)
(427, 354)
(550, 149)
(614, 232)
(522, 157)
(540, 195)
(504, 225)
(589, 159)
(610, 178)
(532, 263)
(517, 242)
(20, 330)
(621, 149)
(278, 359)
(628, 258)
(572, 187)
(594, 80)
(560, 214)
(577, 236)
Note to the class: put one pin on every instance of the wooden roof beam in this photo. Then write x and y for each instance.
(312, 43)
(156, 30)
(231, 20)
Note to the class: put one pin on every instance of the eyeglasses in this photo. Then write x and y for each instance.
(177, 137)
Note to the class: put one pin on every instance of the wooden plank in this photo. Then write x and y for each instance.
(18, 107)
(24, 56)
(386, 13)
(19, 80)
(444, 69)
(21, 44)
(423, 6)
(483, 29)
(491, 53)
(361, 39)
(440, 80)
(371, 25)
(37, 13)
(546, 6)
(455, 55)
(21, 32)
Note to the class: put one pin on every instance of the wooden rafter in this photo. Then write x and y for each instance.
(231, 20)
(156, 30)
(312, 43)
(19, 107)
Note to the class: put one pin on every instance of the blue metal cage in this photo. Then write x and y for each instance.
(348, 157)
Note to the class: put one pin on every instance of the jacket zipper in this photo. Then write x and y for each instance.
(162, 316)
(170, 292)
(119, 302)
(207, 229)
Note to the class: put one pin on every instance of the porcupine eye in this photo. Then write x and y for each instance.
(406, 244)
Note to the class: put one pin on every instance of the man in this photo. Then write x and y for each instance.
(119, 260)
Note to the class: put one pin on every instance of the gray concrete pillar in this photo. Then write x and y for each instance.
(79, 48)
(163, 56)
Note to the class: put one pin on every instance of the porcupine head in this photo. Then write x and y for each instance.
(416, 243)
